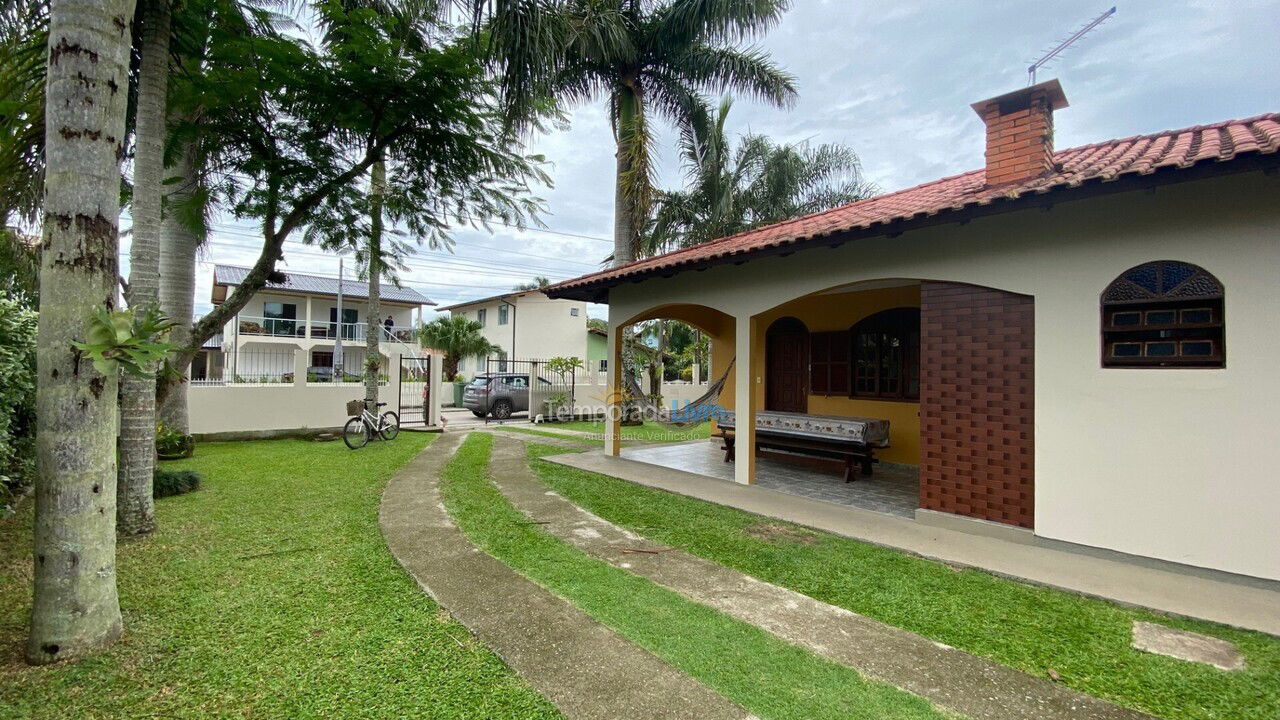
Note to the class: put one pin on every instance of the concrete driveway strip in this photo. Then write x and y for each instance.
(952, 679)
(1239, 605)
(581, 666)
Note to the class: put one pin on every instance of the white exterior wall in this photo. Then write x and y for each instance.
(537, 327)
(291, 406)
(1176, 464)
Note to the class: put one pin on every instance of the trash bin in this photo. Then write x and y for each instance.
(458, 389)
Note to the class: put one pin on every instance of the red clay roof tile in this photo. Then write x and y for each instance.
(1105, 161)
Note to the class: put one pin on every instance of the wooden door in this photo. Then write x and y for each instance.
(787, 366)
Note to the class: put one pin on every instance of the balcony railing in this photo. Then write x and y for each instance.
(296, 328)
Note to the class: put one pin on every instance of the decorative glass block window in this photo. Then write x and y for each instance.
(886, 355)
(1163, 314)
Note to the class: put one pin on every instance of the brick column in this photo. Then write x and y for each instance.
(977, 403)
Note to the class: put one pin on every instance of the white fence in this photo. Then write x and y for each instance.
(284, 401)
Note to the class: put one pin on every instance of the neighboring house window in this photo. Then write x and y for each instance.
(280, 318)
(350, 319)
(573, 312)
(321, 359)
(1163, 314)
(502, 314)
(480, 316)
(604, 366)
(886, 355)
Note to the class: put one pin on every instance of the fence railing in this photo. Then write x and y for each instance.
(256, 326)
(247, 367)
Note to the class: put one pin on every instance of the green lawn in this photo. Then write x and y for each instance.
(648, 432)
(767, 676)
(268, 593)
(1084, 641)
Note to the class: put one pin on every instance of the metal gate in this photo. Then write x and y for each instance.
(415, 390)
(529, 384)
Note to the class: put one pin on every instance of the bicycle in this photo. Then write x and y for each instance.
(359, 429)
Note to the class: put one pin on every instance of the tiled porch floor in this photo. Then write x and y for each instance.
(890, 489)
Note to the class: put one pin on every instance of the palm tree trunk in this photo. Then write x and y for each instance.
(623, 226)
(178, 245)
(76, 610)
(373, 355)
(625, 191)
(135, 505)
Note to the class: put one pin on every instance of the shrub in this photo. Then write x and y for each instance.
(17, 398)
(168, 483)
(171, 444)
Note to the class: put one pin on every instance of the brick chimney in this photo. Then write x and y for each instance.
(1020, 132)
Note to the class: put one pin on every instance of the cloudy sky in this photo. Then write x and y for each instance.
(894, 81)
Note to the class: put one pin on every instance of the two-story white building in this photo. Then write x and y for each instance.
(526, 324)
(308, 313)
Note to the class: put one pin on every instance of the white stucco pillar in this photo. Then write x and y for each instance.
(613, 393)
(745, 379)
(435, 396)
(307, 327)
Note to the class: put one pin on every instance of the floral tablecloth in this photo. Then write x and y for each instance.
(873, 432)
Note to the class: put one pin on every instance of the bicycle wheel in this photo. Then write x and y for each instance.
(390, 425)
(354, 434)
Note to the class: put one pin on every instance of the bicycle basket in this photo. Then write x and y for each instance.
(355, 407)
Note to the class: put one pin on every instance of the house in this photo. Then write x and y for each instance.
(301, 312)
(1070, 346)
(597, 350)
(526, 324)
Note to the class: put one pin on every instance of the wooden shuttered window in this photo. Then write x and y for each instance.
(829, 363)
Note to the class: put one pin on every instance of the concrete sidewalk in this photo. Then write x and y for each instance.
(583, 667)
(1239, 605)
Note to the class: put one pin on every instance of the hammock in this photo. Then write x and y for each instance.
(697, 411)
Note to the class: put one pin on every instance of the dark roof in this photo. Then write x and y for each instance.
(316, 285)
(1165, 156)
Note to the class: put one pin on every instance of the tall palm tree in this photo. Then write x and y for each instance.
(458, 338)
(760, 182)
(183, 230)
(644, 57)
(135, 504)
(76, 609)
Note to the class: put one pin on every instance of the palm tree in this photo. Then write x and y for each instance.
(76, 609)
(135, 504)
(644, 57)
(458, 338)
(760, 182)
(538, 283)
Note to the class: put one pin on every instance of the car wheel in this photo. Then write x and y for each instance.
(502, 409)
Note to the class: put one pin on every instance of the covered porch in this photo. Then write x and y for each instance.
(942, 370)
(892, 489)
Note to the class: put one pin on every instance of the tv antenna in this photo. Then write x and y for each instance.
(1031, 71)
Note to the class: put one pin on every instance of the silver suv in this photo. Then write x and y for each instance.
(499, 394)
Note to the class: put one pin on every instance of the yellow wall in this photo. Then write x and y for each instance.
(821, 313)
(717, 326)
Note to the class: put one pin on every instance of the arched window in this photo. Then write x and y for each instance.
(1163, 314)
(886, 355)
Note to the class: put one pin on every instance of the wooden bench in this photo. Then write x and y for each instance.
(850, 452)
